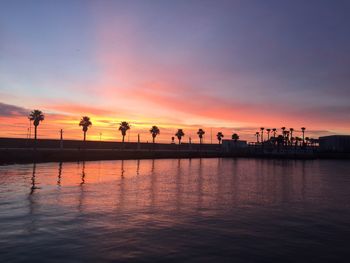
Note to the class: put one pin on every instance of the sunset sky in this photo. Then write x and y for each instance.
(230, 66)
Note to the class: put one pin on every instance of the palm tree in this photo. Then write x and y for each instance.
(280, 140)
(297, 140)
(257, 134)
(268, 133)
(123, 127)
(200, 133)
(307, 140)
(154, 131)
(283, 129)
(262, 134)
(274, 132)
(283, 132)
(36, 116)
(291, 135)
(303, 131)
(285, 137)
(312, 141)
(179, 135)
(235, 137)
(219, 136)
(85, 123)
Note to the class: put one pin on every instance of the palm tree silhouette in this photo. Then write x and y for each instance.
(154, 131)
(36, 116)
(291, 135)
(286, 137)
(219, 136)
(85, 123)
(283, 129)
(257, 134)
(179, 135)
(268, 133)
(123, 127)
(283, 132)
(312, 141)
(235, 137)
(307, 140)
(200, 133)
(274, 132)
(280, 140)
(262, 134)
(303, 131)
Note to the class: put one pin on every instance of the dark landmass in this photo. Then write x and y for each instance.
(27, 151)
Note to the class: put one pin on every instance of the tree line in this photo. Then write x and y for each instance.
(286, 137)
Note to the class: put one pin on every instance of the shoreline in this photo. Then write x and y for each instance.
(23, 156)
(26, 155)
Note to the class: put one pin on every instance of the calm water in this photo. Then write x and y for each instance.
(199, 210)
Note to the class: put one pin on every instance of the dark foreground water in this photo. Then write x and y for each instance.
(199, 210)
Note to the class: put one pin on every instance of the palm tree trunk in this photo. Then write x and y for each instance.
(303, 138)
(84, 136)
(153, 139)
(35, 131)
(123, 138)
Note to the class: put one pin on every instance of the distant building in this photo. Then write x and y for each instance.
(335, 143)
(232, 145)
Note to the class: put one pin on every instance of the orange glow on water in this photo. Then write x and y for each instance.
(184, 184)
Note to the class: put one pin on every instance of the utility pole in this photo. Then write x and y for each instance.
(61, 139)
(30, 129)
(211, 135)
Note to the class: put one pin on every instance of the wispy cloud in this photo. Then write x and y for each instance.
(80, 109)
(7, 110)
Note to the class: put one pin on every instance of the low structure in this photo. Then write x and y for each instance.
(335, 143)
(233, 145)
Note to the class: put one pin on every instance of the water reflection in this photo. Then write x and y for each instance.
(82, 187)
(122, 169)
(59, 174)
(121, 195)
(138, 167)
(234, 183)
(153, 183)
(200, 184)
(33, 186)
(153, 206)
(83, 174)
(181, 184)
(31, 225)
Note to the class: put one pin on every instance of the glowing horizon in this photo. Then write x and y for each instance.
(222, 66)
